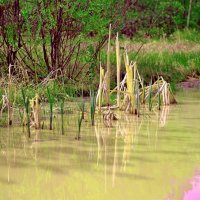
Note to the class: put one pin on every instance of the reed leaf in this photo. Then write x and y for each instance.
(92, 106)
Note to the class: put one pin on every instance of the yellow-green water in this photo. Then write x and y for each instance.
(150, 158)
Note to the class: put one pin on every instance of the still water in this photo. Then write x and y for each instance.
(154, 157)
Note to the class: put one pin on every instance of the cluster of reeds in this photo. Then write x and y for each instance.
(7, 100)
(131, 91)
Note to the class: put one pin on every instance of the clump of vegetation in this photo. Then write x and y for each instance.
(132, 88)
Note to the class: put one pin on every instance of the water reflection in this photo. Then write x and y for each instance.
(131, 158)
(121, 139)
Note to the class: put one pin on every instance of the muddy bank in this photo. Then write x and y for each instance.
(190, 83)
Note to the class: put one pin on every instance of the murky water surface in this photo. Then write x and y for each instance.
(155, 157)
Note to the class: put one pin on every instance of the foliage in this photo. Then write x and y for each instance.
(51, 37)
(158, 18)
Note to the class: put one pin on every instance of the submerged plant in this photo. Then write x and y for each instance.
(26, 103)
(92, 106)
(51, 102)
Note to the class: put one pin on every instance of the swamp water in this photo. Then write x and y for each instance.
(154, 157)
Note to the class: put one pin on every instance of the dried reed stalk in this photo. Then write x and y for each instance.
(118, 61)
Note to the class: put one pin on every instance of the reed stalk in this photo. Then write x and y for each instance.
(35, 105)
(62, 116)
(138, 98)
(159, 99)
(129, 72)
(9, 98)
(100, 87)
(20, 116)
(118, 70)
(51, 102)
(135, 83)
(26, 103)
(92, 106)
(80, 119)
(81, 106)
(150, 96)
(143, 92)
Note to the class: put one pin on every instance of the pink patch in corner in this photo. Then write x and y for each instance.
(194, 193)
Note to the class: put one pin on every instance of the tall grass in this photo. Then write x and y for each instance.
(187, 35)
(172, 66)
